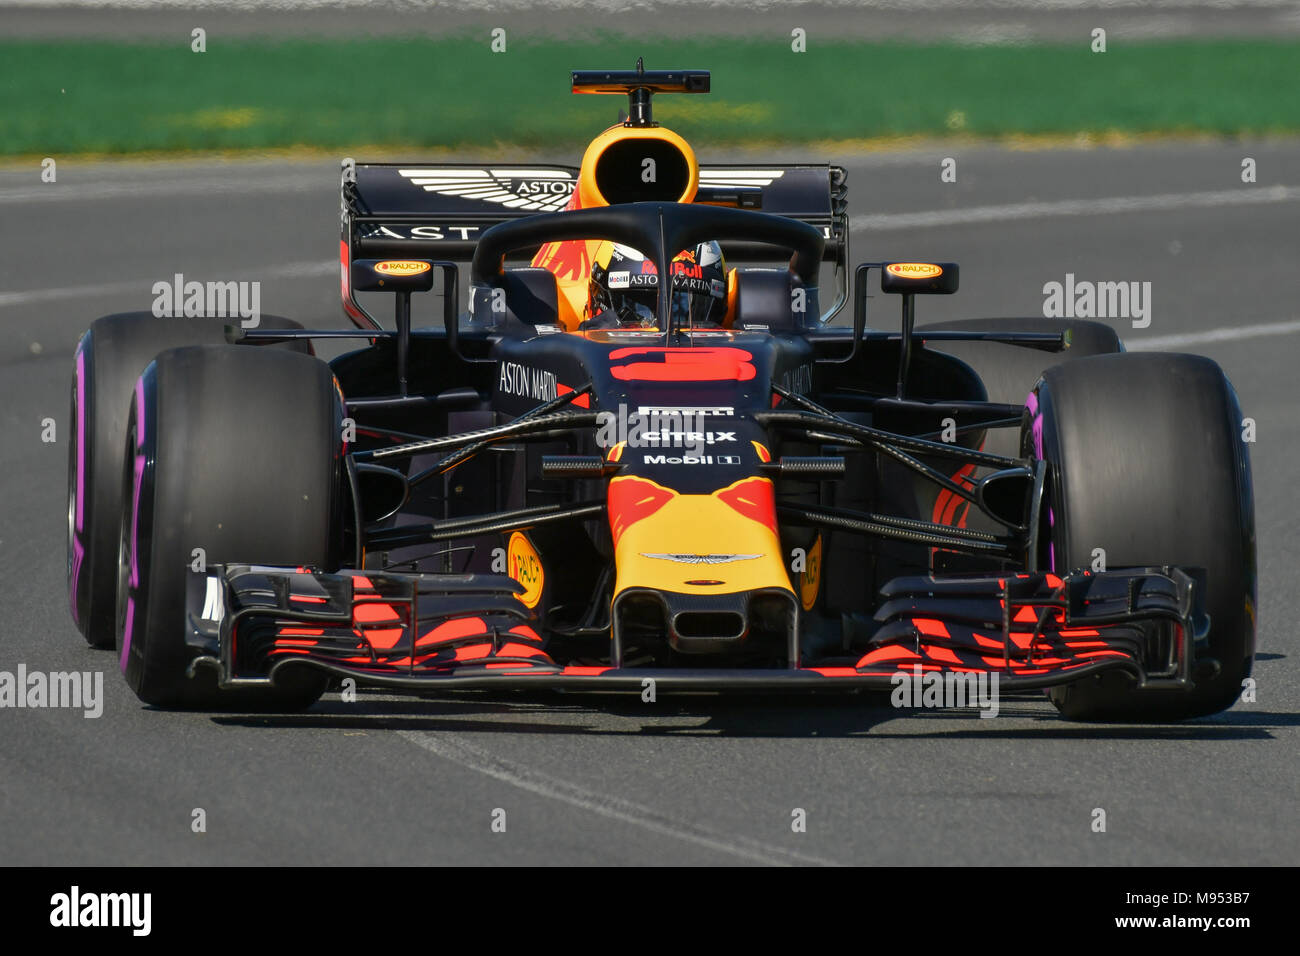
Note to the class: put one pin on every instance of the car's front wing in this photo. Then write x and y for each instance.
(427, 631)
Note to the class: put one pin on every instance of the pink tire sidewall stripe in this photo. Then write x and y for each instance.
(137, 485)
(1036, 431)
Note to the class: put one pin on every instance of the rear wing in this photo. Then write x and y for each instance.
(413, 211)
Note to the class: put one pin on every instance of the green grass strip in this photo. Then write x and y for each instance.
(107, 97)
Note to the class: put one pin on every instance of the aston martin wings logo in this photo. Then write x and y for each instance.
(715, 176)
(702, 558)
(531, 189)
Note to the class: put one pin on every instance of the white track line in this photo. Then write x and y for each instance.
(456, 749)
(1210, 336)
(1010, 212)
(198, 187)
(291, 270)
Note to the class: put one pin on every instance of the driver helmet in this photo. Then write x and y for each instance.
(624, 288)
(699, 287)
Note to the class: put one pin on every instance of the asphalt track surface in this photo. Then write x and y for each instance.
(686, 780)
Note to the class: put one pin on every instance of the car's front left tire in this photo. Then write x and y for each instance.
(234, 455)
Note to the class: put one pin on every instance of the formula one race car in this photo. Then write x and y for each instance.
(647, 454)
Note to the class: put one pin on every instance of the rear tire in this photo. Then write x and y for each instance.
(238, 451)
(1146, 462)
(109, 359)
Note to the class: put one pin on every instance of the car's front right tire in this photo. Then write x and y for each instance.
(1147, 467)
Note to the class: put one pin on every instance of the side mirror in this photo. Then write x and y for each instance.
(906, 278)
(392, 275)
(402, 276)
(909, 279)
